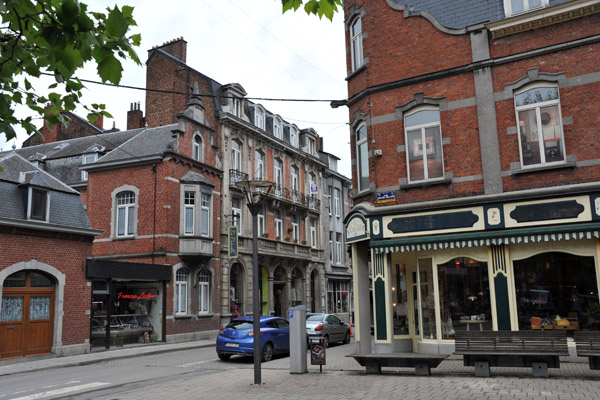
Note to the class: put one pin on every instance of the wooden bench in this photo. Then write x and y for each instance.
(539, 350)
(422, 363)
(588, 345)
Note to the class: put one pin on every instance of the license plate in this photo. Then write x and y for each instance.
(232, 345)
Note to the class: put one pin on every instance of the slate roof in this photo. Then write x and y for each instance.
(66, 208)
(459, 14)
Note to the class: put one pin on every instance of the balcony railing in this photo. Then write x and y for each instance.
(280, 192)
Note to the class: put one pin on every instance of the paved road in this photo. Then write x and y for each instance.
(198, 374)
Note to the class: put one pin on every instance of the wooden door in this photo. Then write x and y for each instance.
(27, 315)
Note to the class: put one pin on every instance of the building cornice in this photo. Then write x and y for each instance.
(48, 227)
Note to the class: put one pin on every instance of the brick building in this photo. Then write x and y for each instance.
(45, 237)
(256, 143)
(475, 167)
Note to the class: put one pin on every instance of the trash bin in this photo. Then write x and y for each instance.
(318, 354)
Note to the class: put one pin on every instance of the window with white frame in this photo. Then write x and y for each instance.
(338, 296)
(331, 246)
(236, 155)
(278, 175)
(204, 279)
(424, 155)
(512, 7)
(259, 117)
(237, 107)
(313, 233)
(259, 165)
(236, 211)
(312, 184)
(539, 124)
(278, 224)
(205, 214)
(337, 196)
(338, 248)
(356, 46)
(362, 158)
(294, 136)
(189, 212)
(294, 177)
(260, 219)
(311, 146)
(87, 159)
(181, 291)
(198, 151)
(277, 128)
(125, 213)
(295, 228)
(330, 199)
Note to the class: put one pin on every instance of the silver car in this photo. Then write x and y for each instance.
(327, 326)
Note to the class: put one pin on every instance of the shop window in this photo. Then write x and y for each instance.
(236, 291)
(540, 126)
(399, 300)
(181, 291)
(424, 145)
(464, 296)
(297, 289)
(427, 297)
(338, 296)
(557, 291)
(126, 202)
(204, 286)
(362, 158)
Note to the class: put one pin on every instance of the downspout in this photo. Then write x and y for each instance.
(154, 215)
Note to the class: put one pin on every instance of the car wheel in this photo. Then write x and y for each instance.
(267, 353)
(347, 338)
(326, 342)
(224, 357)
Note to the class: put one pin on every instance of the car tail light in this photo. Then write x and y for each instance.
(221, 331)
(319, 328)
(251, 333)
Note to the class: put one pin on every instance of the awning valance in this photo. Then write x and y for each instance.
(476, 239)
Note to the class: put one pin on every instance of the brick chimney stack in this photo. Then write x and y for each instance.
(99, 122)
(135, 116)
(176, 47)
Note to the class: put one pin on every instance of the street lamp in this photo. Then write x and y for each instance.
(256, 190)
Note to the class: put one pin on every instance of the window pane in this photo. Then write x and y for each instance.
(189, 220)
(416, 168)
(121, 221)
(552, 134)
(399, 300)
(557, 284)
(535, 4)
(39, 307)
(363, 157)
(39, 280)
(423, 117)
(528, 130)
(427, 298)
(464, 296)
(517, 6)
(130, 220)
(536, 95)
(12, 308)
(433, 145)
(38, 204)
(15, 280)
(205, 220)
(362, 133)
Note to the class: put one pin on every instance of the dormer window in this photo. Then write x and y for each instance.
(237, 107)
(277, 128)
(198, 150)
(87, 159)
(311, 146)
(294, 136)
(38, 205)
(259, 117)
(513, 7)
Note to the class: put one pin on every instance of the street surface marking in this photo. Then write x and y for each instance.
(194, 364)
(62, 391)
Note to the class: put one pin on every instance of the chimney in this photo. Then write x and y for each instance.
(135, 116)
(50, 134)
(99, 122)
(176, 47)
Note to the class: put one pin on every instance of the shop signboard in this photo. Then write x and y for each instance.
(232, 240)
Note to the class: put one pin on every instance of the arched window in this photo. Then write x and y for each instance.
(259, 165)
(236, 155)
(198, 151)
(204, 279)
(297, 289)
(539, 123)
(259, 117)
(362, 158)
(356, 46)
(424, 154)
(294, 136)
(126, 213)
(236, 290)
(181, 291)
(277, 128)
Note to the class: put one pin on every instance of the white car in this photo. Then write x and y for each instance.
(327, 326)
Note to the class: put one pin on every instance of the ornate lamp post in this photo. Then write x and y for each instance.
(256, 191)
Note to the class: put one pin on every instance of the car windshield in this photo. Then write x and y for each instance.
(239, 325)
(315, 317)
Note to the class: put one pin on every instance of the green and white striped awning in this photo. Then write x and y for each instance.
(477, 239)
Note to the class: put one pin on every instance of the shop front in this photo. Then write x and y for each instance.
(128, 303)
(434, 274)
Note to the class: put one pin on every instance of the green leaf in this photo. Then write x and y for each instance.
(116, 24)
(110, 69)
(291, 5)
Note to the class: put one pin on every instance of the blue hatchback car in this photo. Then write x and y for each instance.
(237, 338)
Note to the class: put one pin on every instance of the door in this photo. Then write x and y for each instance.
(421, 302)
(27, 315)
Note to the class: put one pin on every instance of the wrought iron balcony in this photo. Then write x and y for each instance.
(280, 192)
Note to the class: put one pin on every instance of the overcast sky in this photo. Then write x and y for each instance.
(272, 55)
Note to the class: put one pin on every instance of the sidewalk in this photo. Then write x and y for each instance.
(40, 363)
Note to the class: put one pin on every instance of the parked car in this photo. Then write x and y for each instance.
(327, 326)
(237, 338)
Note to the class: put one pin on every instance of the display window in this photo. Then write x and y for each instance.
(557, 290)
